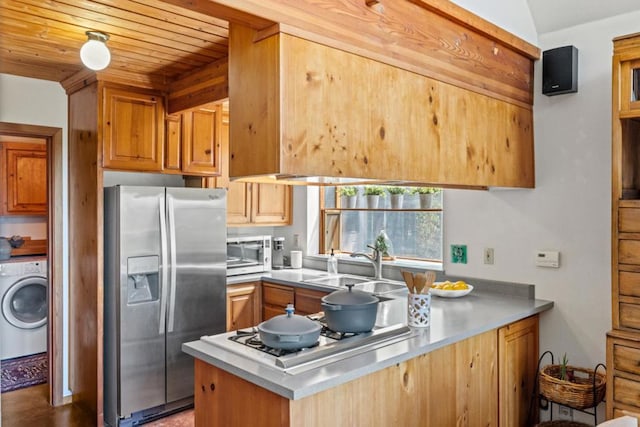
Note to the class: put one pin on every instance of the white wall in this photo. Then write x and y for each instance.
(569, 210)
(511, 15)
(43, 103)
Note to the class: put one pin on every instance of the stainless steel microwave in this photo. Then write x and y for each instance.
(248, 254)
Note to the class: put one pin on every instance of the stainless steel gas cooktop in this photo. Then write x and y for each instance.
(331, 346)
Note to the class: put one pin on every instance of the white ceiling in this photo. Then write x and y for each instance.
(552, 15)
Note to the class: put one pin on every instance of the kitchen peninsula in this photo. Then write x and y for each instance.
(475, 365)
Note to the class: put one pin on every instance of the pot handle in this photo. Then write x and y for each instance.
(289, 338)
(331, 307)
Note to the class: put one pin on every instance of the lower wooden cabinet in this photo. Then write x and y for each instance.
(517, 364)
(464, 383)
(243, 305)
(623, 374)
(275, 298)
(23, 180)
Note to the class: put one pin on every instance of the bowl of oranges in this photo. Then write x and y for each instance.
(449, 289)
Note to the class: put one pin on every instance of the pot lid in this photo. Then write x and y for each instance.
(289, 324)
(350, 297)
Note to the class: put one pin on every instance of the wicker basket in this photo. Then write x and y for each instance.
(579, 393)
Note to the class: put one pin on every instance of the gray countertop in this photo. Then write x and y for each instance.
(452, 320)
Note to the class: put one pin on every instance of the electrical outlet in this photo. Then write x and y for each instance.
(459, 254)
(488, 255)
(565, 411)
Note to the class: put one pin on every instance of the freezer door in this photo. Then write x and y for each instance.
(197, 296)
(140, 318)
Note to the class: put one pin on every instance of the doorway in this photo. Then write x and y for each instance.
(53, 139)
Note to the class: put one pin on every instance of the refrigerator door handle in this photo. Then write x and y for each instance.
(165, 267)
(172, 242)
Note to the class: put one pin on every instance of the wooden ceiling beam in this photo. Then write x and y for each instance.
(434, 38)
(207, 84)
(226, 12)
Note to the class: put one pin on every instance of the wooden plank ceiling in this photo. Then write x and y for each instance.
(42, 38)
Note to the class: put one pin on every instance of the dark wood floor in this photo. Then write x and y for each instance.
(30, 407)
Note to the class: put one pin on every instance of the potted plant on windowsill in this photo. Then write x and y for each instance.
(349, 195)
(397, 195)
(373, 194)
(426, 196)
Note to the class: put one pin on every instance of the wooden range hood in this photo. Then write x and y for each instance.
(457, 112)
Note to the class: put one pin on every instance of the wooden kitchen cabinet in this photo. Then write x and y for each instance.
(173, 144)
(517, 365)
(250, 203)
(24, 178)
(623, 374)
(623, 342)
(193, 145)
(257, 204)
(414, 135)
(275, 298)
(133, 129)
(201, 146)
(243, 305)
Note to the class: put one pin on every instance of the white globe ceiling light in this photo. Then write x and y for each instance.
(95, 53)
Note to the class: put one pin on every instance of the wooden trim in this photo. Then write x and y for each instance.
(53, 137)
(455, 13)
(86, 250)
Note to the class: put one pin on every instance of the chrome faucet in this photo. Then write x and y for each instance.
(375, 259)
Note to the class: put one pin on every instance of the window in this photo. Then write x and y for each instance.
(414, 224)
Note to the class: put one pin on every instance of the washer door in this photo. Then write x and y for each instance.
(25, 303)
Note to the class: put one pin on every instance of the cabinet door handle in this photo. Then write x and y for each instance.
(212, 386)
(207, 151)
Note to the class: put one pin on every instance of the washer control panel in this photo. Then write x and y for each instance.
(23, 268)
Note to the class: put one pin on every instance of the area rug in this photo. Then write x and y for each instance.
(22, 372)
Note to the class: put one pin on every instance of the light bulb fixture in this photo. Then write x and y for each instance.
(95, 53)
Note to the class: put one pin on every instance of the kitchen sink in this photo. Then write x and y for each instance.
(379, 287)
(338, 281)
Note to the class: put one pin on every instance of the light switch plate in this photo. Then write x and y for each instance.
(459, 254)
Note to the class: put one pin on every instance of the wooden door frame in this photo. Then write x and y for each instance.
(53, 136)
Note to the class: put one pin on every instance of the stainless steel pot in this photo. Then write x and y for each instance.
(289, 331)
(350, 310)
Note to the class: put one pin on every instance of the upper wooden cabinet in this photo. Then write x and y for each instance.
(323, 112)
(133, 129)
(271, 204)
(193, 142)
(23, 182)
(626, 79)
(173, 144)
(138, 136)
(250, 203)
(201, 148)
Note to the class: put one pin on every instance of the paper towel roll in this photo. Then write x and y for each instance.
(296, 259)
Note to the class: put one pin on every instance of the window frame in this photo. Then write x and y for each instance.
(338, 209)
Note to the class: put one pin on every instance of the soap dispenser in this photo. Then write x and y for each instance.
(332, 264)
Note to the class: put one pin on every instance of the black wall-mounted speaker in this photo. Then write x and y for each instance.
(560, 70)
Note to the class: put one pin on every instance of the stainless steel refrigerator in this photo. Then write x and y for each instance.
(165, 284)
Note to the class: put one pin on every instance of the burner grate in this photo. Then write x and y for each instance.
(250, 338)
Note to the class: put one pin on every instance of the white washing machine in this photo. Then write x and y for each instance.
(23, 324)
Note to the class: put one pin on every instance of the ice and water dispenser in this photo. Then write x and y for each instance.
(143, 279)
